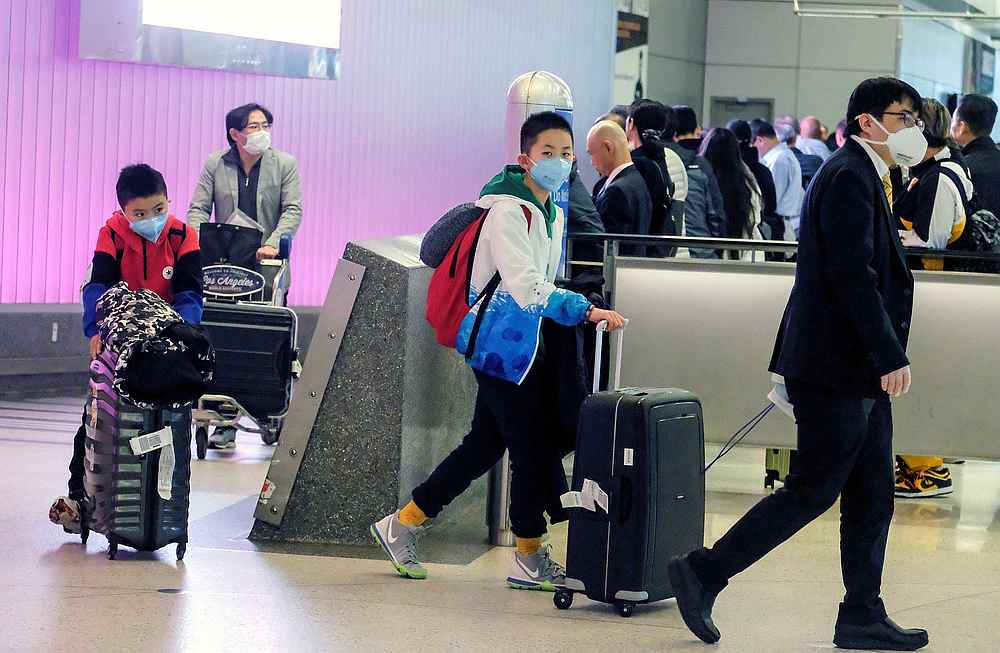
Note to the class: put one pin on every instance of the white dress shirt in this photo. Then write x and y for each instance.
(881, 167)
(614, 173)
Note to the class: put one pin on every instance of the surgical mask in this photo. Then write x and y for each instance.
(258, 142)
(150, 228)
(907, 147)
(550, 174)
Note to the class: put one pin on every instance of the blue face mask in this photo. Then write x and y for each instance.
(150, 228)
(551, 173)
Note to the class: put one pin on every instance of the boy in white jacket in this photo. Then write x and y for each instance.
(522, 241)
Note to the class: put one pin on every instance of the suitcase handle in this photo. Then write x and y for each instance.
(623, 498)
(602, 328)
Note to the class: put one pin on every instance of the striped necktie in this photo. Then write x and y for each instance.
(887, 187)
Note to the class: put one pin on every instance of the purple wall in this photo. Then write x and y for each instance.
(414, 126)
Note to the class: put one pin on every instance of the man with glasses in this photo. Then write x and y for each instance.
(250, 184)
(841, 349)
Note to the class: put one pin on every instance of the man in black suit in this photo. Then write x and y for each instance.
(841, 349)
(621, 196)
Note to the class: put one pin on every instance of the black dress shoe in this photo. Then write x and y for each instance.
(693, 601)
(882, 635)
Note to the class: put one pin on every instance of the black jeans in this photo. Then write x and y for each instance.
(845, 450)
(76, 489)
(523, 420)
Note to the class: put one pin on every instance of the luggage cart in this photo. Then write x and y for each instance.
(254, 334)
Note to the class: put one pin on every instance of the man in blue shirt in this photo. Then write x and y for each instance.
(787, 174)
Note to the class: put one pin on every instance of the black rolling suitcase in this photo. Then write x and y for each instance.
(137, 469)
(638, 494)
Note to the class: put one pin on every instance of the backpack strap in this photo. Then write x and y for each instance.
(953, 176)
(486, 295)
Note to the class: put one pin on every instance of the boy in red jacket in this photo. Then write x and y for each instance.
(147, 248)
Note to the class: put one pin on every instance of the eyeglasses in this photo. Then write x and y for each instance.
(909, 119)
(257, 126)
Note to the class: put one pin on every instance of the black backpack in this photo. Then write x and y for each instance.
(982, 231)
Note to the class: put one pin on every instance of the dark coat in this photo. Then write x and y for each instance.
(983, 161)
(848, 318)
(625, 207)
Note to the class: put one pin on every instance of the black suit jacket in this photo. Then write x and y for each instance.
(847, 321)
(625, 207)
(983, 160)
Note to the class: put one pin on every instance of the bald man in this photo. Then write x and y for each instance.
(621, 196)
(810, 139)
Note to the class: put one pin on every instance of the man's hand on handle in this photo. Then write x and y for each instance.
(266, 252)
(897, 383)
(614, 319)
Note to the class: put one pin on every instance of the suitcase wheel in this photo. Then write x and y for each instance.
(112, 547)
(563, 599)
(181, 550)
(201, 442)
(625, 608)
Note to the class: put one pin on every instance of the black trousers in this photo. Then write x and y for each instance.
(845, 450)
(526, 421)
(76, 489)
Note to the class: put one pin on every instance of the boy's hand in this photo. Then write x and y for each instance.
(266, 252)
(615, 320)
(95, 347)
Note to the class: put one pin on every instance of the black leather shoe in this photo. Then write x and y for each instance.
(882, 635)
(693, 601)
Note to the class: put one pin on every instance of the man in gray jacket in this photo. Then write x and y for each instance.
(252, 179)
(249, 184)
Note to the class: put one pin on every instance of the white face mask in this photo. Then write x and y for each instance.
(258, 142)
(907, 147)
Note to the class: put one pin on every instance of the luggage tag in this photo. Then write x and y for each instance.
(143, 444)
(165, 477)
(588, 498)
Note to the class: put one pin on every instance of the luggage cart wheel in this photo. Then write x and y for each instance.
(625, 609)
(201, 442)
(181, 550)
(112, 548)
(563, 599)
(269, 436)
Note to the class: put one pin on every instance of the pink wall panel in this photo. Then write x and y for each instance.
(413, 127)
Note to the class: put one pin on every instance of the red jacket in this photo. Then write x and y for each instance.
(170, 267)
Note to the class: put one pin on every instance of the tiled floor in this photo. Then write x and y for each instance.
(943, 573)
